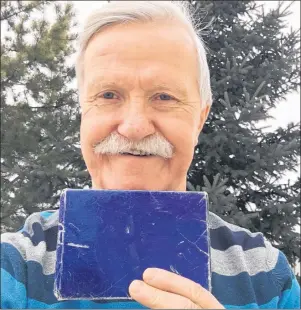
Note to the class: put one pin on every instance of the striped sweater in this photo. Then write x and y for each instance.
(247, 272)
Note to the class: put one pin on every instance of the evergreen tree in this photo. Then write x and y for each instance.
(253, 65)
(40, 154)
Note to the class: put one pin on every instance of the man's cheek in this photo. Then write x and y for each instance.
(91, 132)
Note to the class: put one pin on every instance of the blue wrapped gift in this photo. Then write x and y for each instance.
(107, 238)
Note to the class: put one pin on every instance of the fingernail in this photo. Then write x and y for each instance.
(135, 286)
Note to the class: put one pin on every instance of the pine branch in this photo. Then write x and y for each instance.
(26, 9)
(285, 10)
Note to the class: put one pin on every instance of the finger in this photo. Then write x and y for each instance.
(154, 298)
(173, 283)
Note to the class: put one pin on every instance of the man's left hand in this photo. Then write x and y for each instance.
(161, 289)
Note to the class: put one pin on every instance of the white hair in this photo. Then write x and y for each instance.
(120, 12)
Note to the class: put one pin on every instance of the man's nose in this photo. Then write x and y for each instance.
(136, 123)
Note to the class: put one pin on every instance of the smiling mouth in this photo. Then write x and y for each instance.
(136, 155)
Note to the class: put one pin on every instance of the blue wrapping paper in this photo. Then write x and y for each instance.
(107, 238)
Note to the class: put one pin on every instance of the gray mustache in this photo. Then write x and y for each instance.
(115, 144)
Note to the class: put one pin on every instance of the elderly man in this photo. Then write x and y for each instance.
(145, 94)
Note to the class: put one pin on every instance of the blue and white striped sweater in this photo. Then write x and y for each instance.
(247, 272)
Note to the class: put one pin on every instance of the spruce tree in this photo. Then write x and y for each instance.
(253, 63)
(40, 154)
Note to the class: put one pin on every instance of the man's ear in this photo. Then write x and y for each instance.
(203, 117)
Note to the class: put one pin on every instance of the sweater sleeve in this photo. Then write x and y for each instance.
(13, 274)
(290, 289)
(282, 279)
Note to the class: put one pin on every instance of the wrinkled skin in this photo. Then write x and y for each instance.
(134, 65)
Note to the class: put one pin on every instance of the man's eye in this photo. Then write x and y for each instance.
(108, 95)
(165, 97)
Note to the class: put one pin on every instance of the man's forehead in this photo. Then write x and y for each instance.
(141, 42)
(111, 76)
(147, 69)
(131, 58)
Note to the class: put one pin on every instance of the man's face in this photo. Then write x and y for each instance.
(140, 84)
